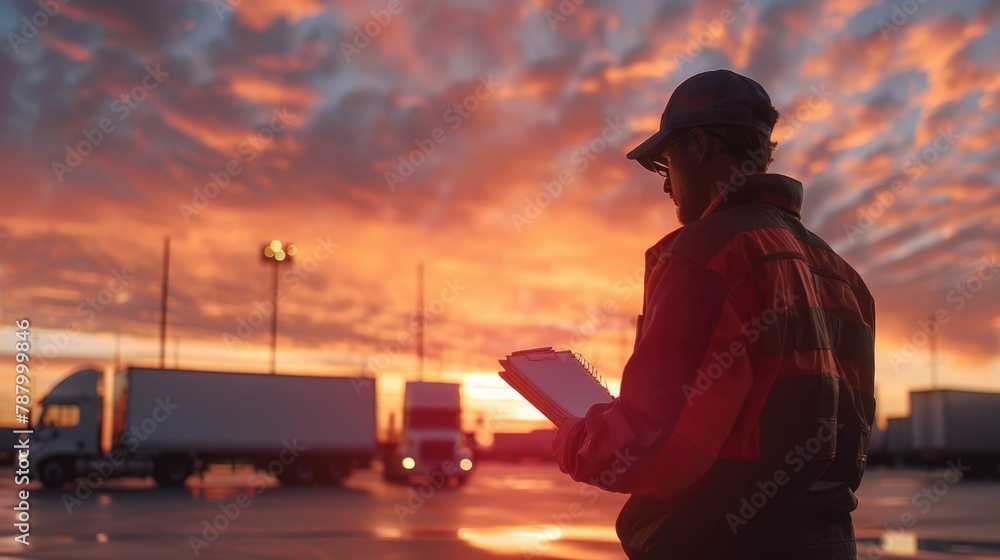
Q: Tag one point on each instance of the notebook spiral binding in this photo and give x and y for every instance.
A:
(592, 371)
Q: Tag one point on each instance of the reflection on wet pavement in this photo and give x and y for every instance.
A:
(506, 511)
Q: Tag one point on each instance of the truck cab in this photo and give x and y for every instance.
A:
(68, 431)
(431, 444)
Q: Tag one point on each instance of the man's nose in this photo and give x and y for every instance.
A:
(667, 187)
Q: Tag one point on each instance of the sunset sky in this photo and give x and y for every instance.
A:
(486, 139)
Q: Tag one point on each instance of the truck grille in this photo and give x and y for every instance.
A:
(437, 450)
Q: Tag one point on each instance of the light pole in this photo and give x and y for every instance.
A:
(276, 253)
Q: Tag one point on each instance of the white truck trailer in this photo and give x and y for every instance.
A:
(169, 423)
(948, 425)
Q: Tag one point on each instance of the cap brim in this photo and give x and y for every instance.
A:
(642, 152)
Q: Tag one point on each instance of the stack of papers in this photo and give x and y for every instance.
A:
(560, 384)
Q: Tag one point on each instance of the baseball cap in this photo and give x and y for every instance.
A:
(713, 98)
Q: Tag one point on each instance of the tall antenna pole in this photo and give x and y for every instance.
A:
(163, 301)
(934, 366)
(274, 321)
(177, 352)
(420, 321)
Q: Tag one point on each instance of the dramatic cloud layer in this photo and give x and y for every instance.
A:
(485, 139)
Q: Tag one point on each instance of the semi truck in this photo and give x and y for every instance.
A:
(8, 439)
(944, 425)
(431, 444)
(948, 425)
(169, 424)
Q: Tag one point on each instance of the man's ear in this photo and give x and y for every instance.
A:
(699, 142)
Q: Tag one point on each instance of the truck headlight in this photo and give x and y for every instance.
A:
(409, 463)
(465, 464)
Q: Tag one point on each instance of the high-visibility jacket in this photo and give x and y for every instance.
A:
(747, 404)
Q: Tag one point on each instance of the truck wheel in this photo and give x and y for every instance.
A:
(389, 476)
(394, 475)
(335, 473)
(980, 469)
(171, 473)
(53, 473)
(393, 472)
(302, 472)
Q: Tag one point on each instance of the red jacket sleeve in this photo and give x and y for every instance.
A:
(682, 390)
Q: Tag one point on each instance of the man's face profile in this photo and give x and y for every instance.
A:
(685, 182)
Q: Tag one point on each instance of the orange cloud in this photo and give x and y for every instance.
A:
(545, 280)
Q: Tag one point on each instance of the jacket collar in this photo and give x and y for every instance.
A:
(767, 188)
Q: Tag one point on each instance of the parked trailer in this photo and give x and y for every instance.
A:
(957, 426)
(898, 441)
(169, 423)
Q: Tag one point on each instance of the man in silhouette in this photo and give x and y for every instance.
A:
(746, 406)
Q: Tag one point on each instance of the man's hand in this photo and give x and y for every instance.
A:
(559, 444)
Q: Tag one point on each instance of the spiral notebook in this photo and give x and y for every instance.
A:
(560, 384)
